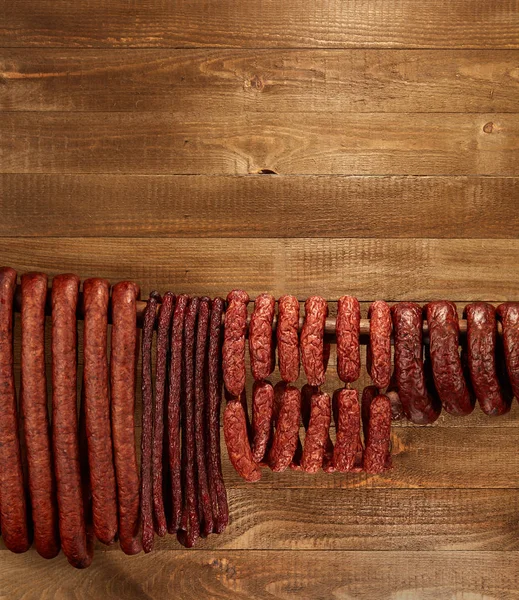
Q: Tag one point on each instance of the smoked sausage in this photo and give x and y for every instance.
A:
(286, 434)
(347, 454)
(237, 441)
(378, 353)
(288, 338)
(317, 433)
(508, 313)
(234, 342)
(262, 412)
(312, 339)
(377, 437)
(260, 337)
(348, 345)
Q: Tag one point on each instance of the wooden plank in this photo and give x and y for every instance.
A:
(233, 23)
(231, 81)
(242, 575)
(420, 270)
(148, 206)
(292, 143)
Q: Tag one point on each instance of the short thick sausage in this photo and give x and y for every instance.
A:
(347, 332)
(286, 434)
(378, 354)
(347, 454)
(261, 338)
(508, 313)
(234, 342)
(288, 338)
(312, 339)
(237, 441)
(377, 438)
(262, 411)
(317, 433)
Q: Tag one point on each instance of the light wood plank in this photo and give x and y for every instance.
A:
(242, 575)
(148, 206)
(231, 81)
(291, 143)
(233, 23)
(421, 270)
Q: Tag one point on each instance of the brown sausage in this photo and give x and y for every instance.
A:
(317, 433)
(13, 511)
(286, 435)
(33, 387)
(96, 295)
(347, 332)
(378, 353)
(288, 338)
(260, 337)
(262, 410)
(508, 313)
(122, 375)
(76, 544)
(234, 342)
(312, 339)
(347, 454)
(237, 441)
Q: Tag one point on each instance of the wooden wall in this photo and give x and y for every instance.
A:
(367, 147)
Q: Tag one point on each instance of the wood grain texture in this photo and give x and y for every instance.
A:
(419, 270)
(268, 575)
(294, 143)
(233, 81)
(146, 206)
(233, 23)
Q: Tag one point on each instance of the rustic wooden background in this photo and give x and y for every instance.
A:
(368, 147)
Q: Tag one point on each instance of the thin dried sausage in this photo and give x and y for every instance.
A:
(76, 544)
(317, 433)
(147, 422)
(13, 510)
(421, 405)
(347, 454)
(163, 331)
(237, 441)
(288, 338)
(347, 332)
(262, 410)
(312, 339)
(442, 319)
(481, 355)
(214, 395)
(122, 378)
(260, 337)
(378, 353)
(33, 387)
(508, 313)
(286, 434)
(234, 342)
(96, 295)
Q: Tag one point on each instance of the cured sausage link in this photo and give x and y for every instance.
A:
(214, 395)
(347, 332)
(455, 395)
(147, 423)
(347, 454)
(377, 435)
(260, 337)
(287, 333)
(317, 433)
(262, 412)
(286, 435)
(42, 485)
(378, 353)
(13, 510)
(237, 441)
(96, 295)
(312, 340)
(234, 342)
(508, 313)
(77, 546)
(122, 374)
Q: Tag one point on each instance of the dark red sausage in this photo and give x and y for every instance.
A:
(508, 313)
(96, 295)
(481, 356)
(33, 387)
(317, 433)
(190, 517)
(163, 332)
(286, 435)
(13, 510)
(378, 354)
(77, 546)
(122, 376)
(147, 423)
(347, 332)
(206, 513)
(237, 441)
(397, 410)
(377, 438)
(312, 339)
(369, 393)
(174, 400)
(262, 411)
(260, 337)
(347, 454)
(444, 331)
(234, 342)
(288, 338)
(421, 406)
(214, 396)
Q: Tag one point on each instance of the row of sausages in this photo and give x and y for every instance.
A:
(424, 379)
(83, 476)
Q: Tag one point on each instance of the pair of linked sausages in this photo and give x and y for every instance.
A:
(189, 394)
(273, 436)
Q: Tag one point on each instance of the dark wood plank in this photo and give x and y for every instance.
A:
(147, 206)
(420, 270)
(231, 81)
(293, 143)
(233, 23)
(242, 575)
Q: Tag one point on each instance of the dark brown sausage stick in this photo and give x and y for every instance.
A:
(96, 295)
(33, 387)
(122, 375)
(77, 546)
